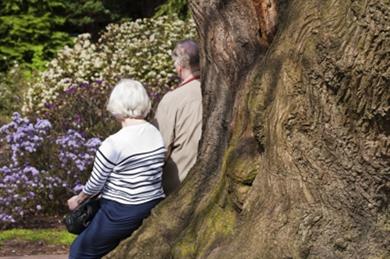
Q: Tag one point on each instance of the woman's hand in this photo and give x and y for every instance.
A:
(74, 202)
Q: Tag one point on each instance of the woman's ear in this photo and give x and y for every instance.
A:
(179, 70)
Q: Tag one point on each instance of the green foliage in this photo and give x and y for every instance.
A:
(52, 236)
(29, 33)
(89, 16)
(32, 31)
(12, 86)
(174, 7)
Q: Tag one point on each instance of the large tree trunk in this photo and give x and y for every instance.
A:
(294, 160)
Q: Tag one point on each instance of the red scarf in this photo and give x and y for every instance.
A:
(189, 80)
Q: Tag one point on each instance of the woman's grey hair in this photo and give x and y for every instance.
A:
(186, 54)
(129, 99)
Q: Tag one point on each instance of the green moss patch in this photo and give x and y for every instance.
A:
(216, 225)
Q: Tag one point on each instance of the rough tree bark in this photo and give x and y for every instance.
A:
(294, 160)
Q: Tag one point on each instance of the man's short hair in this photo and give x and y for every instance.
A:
(186, 54)
(129, 99)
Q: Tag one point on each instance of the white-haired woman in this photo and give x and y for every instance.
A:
(127, 173)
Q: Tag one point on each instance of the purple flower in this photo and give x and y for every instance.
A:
(78, 188)
(9, 179)
(84, 85)
(50, 106)
(5, 170)
(71, 90)
(77, 152)
(43, 125)
(93, 143)
(6, 218)
(26, 178)
(77, 118)
(31, 169)
(23, 136)
(16, 116)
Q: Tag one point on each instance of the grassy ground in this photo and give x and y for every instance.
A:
(17, 242)
(51, 236)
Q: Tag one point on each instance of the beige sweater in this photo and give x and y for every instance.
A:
(179, 118)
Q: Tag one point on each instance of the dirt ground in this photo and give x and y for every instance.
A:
(22, 247)
(18, 247)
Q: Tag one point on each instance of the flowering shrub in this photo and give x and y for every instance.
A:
(139, 50)
(44, 169)
(76, 154)
(46, 161)
(24, 137)
(83, 107)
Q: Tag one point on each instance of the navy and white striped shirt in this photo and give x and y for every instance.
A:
(128, 166)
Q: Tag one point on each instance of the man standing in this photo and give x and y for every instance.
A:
(179, 116)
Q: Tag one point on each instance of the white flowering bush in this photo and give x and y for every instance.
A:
(139, 50)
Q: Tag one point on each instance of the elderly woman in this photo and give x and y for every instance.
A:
(127, 173)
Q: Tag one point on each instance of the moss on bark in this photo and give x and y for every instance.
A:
(294, 158)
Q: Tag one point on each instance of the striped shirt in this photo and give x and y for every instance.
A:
(128, 166)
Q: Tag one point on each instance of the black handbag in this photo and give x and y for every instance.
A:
(78, 219)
